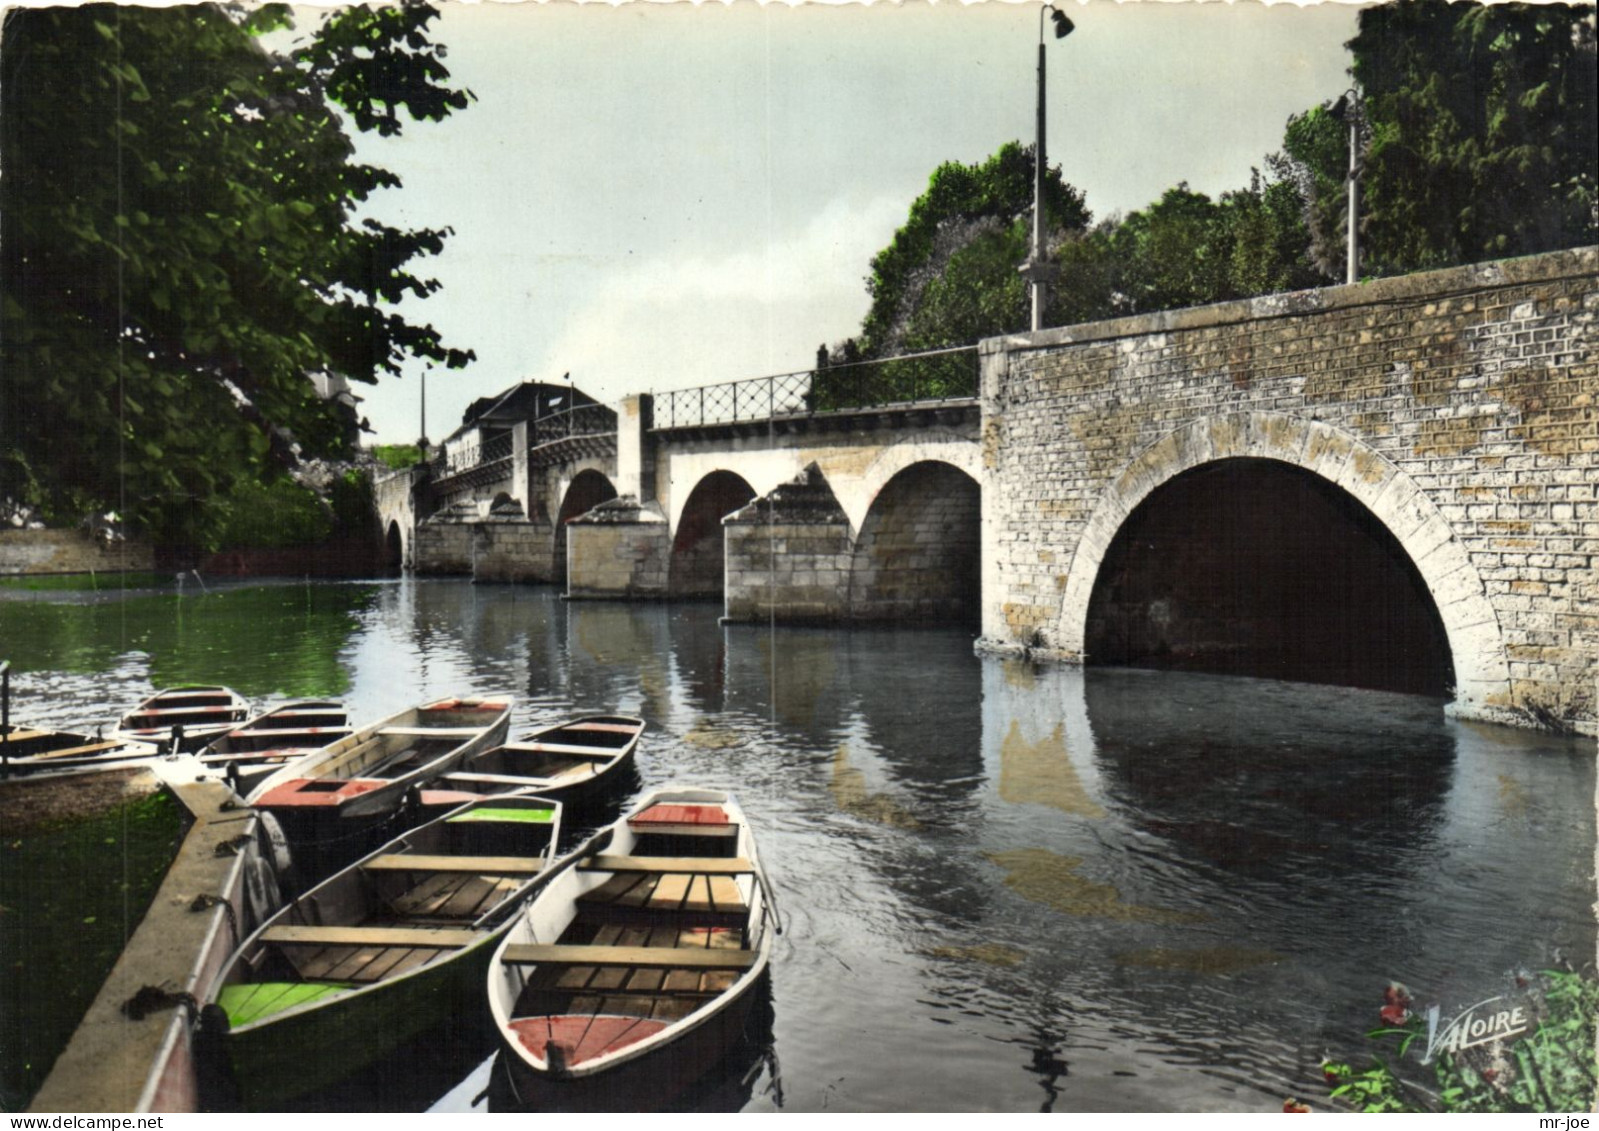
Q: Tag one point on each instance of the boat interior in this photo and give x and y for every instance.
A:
(665, 933)
(403, 908)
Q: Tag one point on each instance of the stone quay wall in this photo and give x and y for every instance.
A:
(1458, 406)
(69, 551)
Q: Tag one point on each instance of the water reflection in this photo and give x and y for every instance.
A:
(1006, 887)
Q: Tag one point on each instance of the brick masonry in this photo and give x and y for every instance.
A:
(1458, 406)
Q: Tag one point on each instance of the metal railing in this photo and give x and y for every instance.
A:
(584, 420)
(920, 378)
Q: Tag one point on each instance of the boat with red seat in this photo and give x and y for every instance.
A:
(386, 949)
(250, 753)
(631, 971)
(368, 773)
(183, 718)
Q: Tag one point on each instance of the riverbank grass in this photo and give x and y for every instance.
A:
(72, 891)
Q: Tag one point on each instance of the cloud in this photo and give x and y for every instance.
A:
(678, 323)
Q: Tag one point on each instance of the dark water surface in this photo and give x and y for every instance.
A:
(1005, 887)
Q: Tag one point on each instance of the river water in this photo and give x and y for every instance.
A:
(1005, 887)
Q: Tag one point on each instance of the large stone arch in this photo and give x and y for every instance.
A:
(695, 567)
(1482, 674)
(918, 551)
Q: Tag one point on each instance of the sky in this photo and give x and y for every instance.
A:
(656, 196)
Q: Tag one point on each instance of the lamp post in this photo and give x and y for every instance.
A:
(1347, 109)
(1038, 271)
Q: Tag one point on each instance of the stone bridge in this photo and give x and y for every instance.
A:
(1391, 484)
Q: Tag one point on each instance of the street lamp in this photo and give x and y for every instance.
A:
(1347, 109)
(1038, 271)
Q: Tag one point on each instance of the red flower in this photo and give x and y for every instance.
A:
(1394, 1014)
(1294, 1107)
(1396, 994)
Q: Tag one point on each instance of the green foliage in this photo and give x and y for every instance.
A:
(1552, 1069)
(273, 515)
(350, 496)
(180, 249)
(1479, 136)
(397, 457)
(993, 200)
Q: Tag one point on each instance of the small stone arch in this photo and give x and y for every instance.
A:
(695, 567)
(934, 447)
(393, 548)
(1393, 498)
(587, 490)
(917, 557)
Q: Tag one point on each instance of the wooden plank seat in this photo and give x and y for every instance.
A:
(276, 754)
(654, 957)
(487, 779)
(70, 751)
(604, 728)
(663, 829)
(693, 865)
(197, 709)
(594, 753)
(432, 732)
(27, 735)
(481, 865)
(286, 732)
(298, 935)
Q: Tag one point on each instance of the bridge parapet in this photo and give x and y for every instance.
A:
(912, 380)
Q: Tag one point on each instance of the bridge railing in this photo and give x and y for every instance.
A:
(920, 378)
(584, 420)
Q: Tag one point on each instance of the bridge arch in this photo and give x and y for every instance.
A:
(588, 489)
(393, 548)
(695, 567)
(1333, 457)
(917, 555)
(858, 497)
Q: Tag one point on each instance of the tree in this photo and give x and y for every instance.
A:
(1480, 135)
(968, 222)
(948, 278)
(179, 248)
(1186, 250)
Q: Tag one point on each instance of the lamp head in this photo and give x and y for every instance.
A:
(1340, 109)
(1063, 25)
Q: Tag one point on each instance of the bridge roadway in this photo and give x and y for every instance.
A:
(1391, 481)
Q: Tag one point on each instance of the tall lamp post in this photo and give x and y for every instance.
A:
(1038, 271)
(1347, 109)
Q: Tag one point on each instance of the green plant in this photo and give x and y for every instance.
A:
(1550, 1068)
(274, 515)
(397, 457)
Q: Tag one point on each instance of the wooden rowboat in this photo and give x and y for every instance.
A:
(184, 718)
(368, 772)
(249, 754)
(32, 750)
(381, 952)
(572, 762)
(28, 750)
(630, 972)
